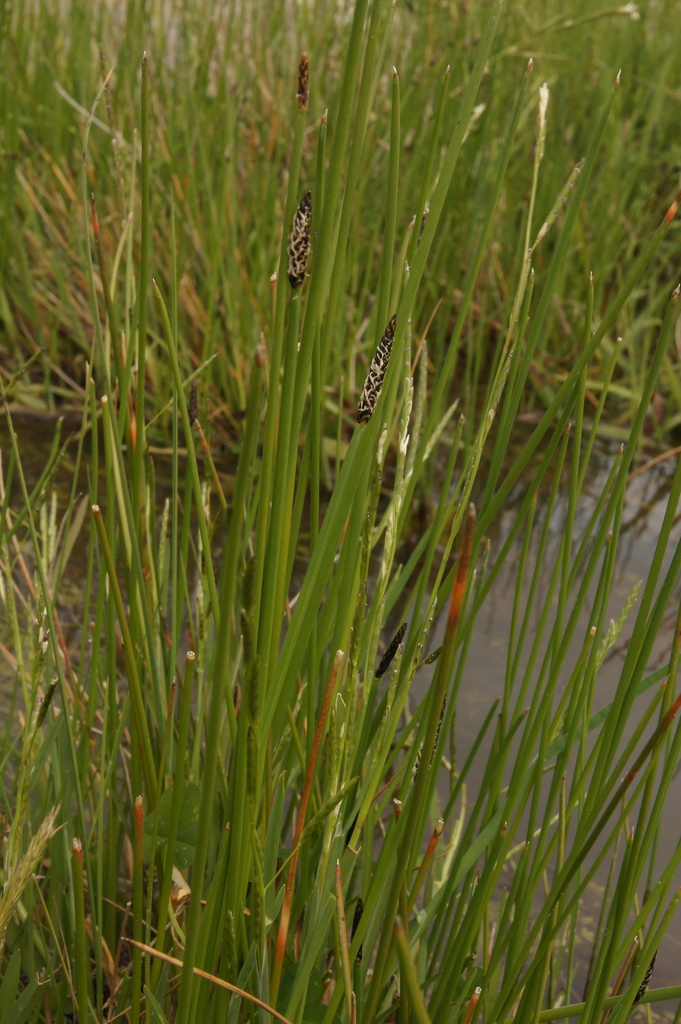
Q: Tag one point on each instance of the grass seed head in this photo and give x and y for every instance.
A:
(357, 917)
(391, 651)
(646, 979)
(299, 242)
(303, 94)
(376, 375)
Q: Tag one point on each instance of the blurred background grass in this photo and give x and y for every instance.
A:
(221, 79)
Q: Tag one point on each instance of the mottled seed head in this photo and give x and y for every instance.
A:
(646, 979)
(299, 242)
(377, 372)
(391, 651)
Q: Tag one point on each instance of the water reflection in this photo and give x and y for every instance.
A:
(483, 677)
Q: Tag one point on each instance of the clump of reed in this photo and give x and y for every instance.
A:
(266, 807)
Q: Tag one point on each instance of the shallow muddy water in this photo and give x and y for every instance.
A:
(485, 668)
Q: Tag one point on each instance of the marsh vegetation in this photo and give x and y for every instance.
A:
(348, 276)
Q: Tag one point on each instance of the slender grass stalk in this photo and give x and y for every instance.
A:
(138, 908)
(178, 790)
(343, 944)
(114, 327)
(304, 797)
(102, 362)
(386, 300)
(139, 327)
(133, 676)
(279, 539)
(80, 937)
(409, 981)
(425, 864)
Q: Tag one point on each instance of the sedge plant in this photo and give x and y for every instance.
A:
(237, 789)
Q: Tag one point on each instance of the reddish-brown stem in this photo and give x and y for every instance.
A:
(473, 1002)
(425, 863)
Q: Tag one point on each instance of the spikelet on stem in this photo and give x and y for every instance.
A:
(376, 375)
(303, 94)
(299, 242)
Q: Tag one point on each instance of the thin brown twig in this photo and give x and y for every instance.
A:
(207, 976)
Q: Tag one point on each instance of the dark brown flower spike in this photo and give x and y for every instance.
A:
(357, 917)
(391, 651)
(303, 94)
(193, 404)
(424, 218)
(376, 375)
(417, 763)
(646, 979)
(299, 242)
(45, 704)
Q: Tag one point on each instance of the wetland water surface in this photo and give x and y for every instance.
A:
(485, 669)
(486, 664)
